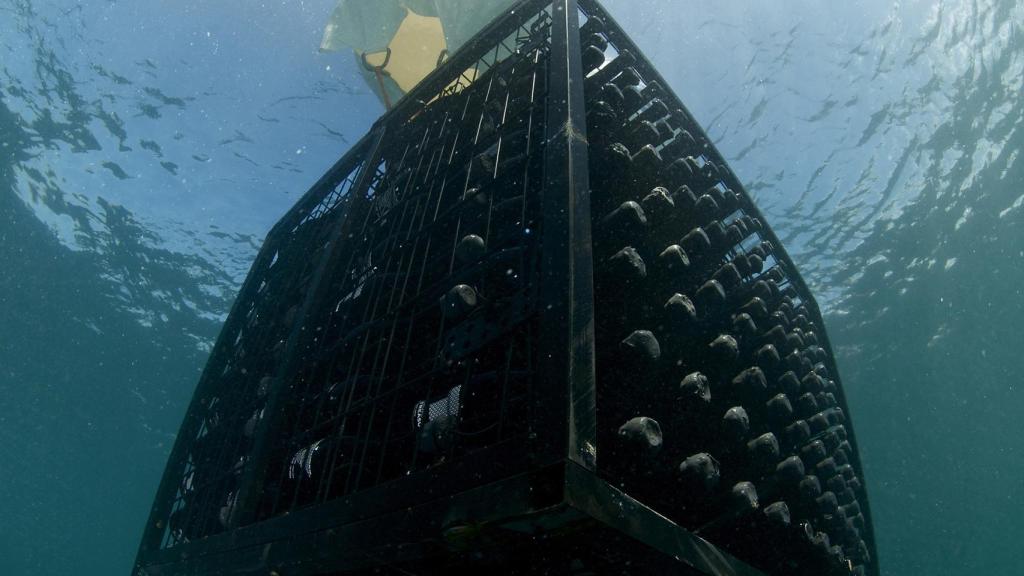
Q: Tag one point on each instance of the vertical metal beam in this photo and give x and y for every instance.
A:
(565, 409)
(254, 476)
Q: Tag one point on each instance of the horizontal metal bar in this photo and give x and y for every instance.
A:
(602, 501)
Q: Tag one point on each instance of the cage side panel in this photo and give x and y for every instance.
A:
(155, 529)
(338, 233)
(718, 396)
(198, 493)
(386, 340)
(422, 350)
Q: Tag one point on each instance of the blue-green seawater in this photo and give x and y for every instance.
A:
(146, 147)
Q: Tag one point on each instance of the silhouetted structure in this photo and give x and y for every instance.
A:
(530, 324)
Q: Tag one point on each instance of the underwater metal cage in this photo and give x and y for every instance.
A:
(530, 323)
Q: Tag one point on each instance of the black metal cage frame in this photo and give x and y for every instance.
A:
(337, 333)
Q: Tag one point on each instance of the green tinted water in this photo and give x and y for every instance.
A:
(146, 147)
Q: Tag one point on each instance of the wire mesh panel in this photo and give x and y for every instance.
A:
(215, 443)
(718, 395)
(389, 324)
(422, 349)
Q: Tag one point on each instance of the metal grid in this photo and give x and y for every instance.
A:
(230, 403)
(388, 324)
(422, 349)
(641, 129)
(681, 155)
